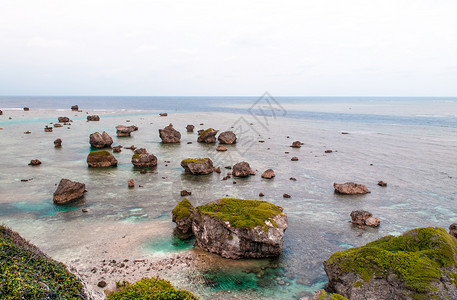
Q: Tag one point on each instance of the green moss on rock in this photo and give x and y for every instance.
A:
(323, 295)
(183, 209)
(150, 289)
(419, 258)
(100, 153)
(242, 213)
(27, 273)
(136, 156)
(194, 160)
(207, 130)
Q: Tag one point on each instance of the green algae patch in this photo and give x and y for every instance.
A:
(242, 213)
(150, 289)
(100, 153)
(27, 273)
(207, 130)
(136, 156)
(194, 160)
(323, 295)
(183, 209)
(419, 258)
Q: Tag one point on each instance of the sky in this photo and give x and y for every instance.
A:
(228, 48)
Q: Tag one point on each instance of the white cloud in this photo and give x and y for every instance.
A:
(42, 42)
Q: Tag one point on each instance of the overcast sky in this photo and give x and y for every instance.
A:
(290, 48)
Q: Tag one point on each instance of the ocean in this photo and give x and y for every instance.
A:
(407, 142)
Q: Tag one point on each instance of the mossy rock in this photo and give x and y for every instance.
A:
(194, 160)
(241, 212)
(100, 153)
(422, 262)
(207, 130)
(323, 295)
(149, 289)
(28, 273)
(182, 210)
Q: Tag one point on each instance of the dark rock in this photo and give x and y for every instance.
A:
(117, 149)
(48, 129)
(163, 114)
(84, 210)
(328, 151)
(237, 228)
(26, 109)
(261, 194)
(68, 191)
(185, 193)
(344, 132)
(294, 158)
(182, 215)
(382, 183)
(93, 118)
(198, 166)
(286, 196)
(143, 171)
(58, 125)
(170, 135)
(144, 160)
(101, 284)
(350, 188)
(242, 169)
(207, 136)
(131, 147)
(419, 264)
(296, 144)
(217, 170)
(1, 112)
(101, 159)
(221, 148)
(227, 137)
(293, 179)
(200, 131)
(140, 151)
(63, 119)
(188, 143)
(131, 183)
(190, 128)
(360, 216)
(75, 108)
(98, 140)
(122, 130)
(34, 162)
(453, 230)
(27, 132)
(268, 174)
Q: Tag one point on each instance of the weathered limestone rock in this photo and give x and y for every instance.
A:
(198, 166)
(144, 160)
(419, 264)
(237, 228)
(207, 136)
(170, 135)
(101, 159)
(68, 191)
(58, 143)
(242, 169)
(373, 222)
(227, 137)
(350, 188)
(182, 216)
(93, 118)
(122, 130)
(360, 216)
(26, 109)
(64, 119)
(190, 128)
(268, 174)
(98, 140)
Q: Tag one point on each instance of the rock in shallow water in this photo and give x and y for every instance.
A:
(242, 169)
(101, 159)
(198, 166)
(207, 136)
(100, 140)
(227, 137)
(144, 160)
(68, 191)
(350, 188)
(170, 135)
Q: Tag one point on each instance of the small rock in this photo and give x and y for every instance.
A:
(185, 193)
(242, 169)
(84, 210)
(190, 128)
(27, 132)
(227, 137)
(189, 143)
(350, 188)
(328, 151)
(143, 171)
(131, 183)
(286, 196)
(58, 143)
(296, 144)
(360, 216)
(93, 118)
(261, 194)
(117, 149)
(221, 148)
(169, 134)
(58, 125)
(453, 230)
(75, 108)
(63, 119)
(294, 158)
(207, 136)
(293, 179)
(48, 129)
(163, 114)
(34, 162)
(122, 130)
(100, 140)
(268, 174)
(382, 183)
(101, 284)
(217, 170)
(344, 132)
(373, 222)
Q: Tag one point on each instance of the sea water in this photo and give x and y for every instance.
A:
(408, 143)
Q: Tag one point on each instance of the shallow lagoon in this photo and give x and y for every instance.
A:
(417, 162)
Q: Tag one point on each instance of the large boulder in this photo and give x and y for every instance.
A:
(63, 119)
(100, 140)
(242, 169)
(101, 159)
(182, 216)
(238, 228)
(350, 188)
(93, 118)
(144, 160)
(68, 191)
(227, 137)
(419, 264)
(122, 130)
(207, 136)
(170, 135)
(198, 166)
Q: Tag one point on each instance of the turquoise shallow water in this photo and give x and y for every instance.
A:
(417, 162)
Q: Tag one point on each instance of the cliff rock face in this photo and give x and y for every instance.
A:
(198, 166)
(419, 264)
(68, 191)
(237, 228)
(207, 136)
(98, 140)
(101, 159)
(170, 135)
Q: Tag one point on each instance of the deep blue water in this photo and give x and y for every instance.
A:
(257, 106)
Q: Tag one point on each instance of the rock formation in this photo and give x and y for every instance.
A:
(101, 159)
(170, 135)
(58, 143)
(350, 188)
(93, 118)
(122, 130)
(360, 216)
(63, 119)
(190, 128)
(182, 216)
(98, 140)
(144, 160)
(419, 264)
(227, 137)
(207, 136)
(198, 166)
(117, 149)
(242, 169)
(68, 191)
(268, 174)
(1, 112)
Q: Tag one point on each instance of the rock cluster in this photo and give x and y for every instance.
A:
(68, 191)
(242, 169)
(227, 137)
(100, 140)
(234, 228)
(364, 218)
(170, 135)
(207, 136)
(198, 166)
(101, 159)
(93, 118)
(350, 188)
